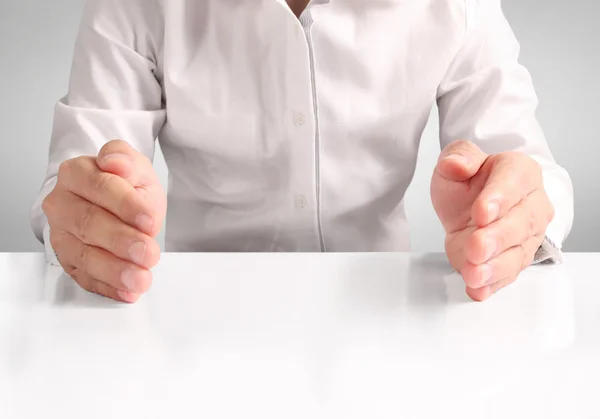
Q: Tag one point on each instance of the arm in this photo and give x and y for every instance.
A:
(114, 92)
(487, 97)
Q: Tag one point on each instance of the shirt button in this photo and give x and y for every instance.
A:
(299, 119)
(301, 201)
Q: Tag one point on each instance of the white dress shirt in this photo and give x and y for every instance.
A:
(286, 134)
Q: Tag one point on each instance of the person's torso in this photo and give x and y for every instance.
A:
(298, 134)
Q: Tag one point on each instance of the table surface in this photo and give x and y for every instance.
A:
(301, 336)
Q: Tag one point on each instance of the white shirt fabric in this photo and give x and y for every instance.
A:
(286, 134)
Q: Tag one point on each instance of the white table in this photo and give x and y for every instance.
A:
(301, 336)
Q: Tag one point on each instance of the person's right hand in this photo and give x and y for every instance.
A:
(104, 214)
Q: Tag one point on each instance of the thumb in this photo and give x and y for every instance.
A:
(460, 161)
(119, 158)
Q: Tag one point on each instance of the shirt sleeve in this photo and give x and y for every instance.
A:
(488, 97)
(114, 92)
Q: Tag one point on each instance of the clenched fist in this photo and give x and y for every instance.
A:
(495, 212)
(104, 214)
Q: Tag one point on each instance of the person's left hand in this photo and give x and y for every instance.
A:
(495, 212)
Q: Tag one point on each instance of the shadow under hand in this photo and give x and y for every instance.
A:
(423, 297)
(62, 291)
(432, 282)
(383, 282)
(398, 296)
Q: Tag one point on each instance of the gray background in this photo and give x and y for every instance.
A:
(560, 46)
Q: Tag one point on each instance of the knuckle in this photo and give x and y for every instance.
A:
(130, 205)
(84, 222)
(48, 204)
(83, 257)
(475, 241)
(120, 239)
(515, 157)
(55, 241)
(532, 224)
(502, 238)
(510, 170)
(510, 163)
(100, 181)
(64, 169)
(116, 242)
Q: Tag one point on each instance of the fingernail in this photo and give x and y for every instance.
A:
(493, 211)
(458, 158)
(128, 279)
(144, 222)
(490, 249)
(127, 296)
(115, 156)
(137, 252)
(486, 273)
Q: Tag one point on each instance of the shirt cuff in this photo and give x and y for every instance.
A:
(50, 253)
(549, 252)
(558, 188)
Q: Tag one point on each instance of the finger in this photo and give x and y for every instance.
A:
(119, 158)
(513, 176)
(505, 270)
(460, 161)
(92, 285)
(57, 241)
(82, 177)
(455, 245)
(103, 266)
(482, 294)
(527, 219)
(85, 281)
(95, 226)
(505, 265)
